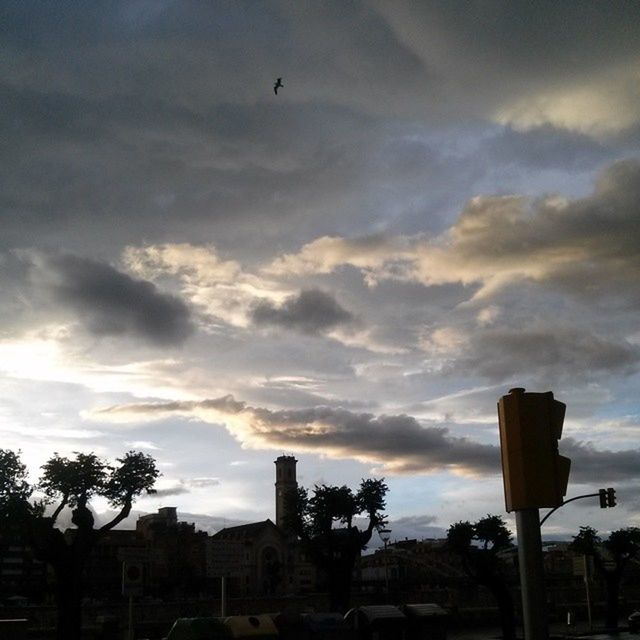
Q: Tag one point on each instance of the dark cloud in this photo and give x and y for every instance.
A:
(111, 303)
(185, 486)
(487, 47)
(311, 311)
(548, 351)
(398, 443)
(166, 124)
(176, 490)
(590, 465)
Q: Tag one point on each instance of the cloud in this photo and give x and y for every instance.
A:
(546, 350)
(585, 246)
(590, 465)
(579, 79)
(109, 302)
(416, 527)
(185, 485)
(311, 311)
(416, 521)
(175, 490)
(400, 444)
(221, 289)
(201, 483)
(395, 444)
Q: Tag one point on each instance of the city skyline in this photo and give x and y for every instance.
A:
(438, 204)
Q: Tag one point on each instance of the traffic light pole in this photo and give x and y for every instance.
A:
(586, 495)
(534, 601)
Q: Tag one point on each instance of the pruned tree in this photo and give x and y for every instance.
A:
(481, 546)
(325, 525)
(610, 560)
(70, 483)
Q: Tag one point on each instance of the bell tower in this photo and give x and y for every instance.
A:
(285, 482)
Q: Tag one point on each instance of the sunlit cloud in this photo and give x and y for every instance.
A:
(221, 289)
(607, 103)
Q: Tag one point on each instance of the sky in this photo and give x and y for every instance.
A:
(440, 204)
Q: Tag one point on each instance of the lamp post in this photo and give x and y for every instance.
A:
(385, 534)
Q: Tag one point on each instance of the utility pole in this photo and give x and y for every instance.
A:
(385, 535)
(585, 564)
(534, 601)
(534, 476)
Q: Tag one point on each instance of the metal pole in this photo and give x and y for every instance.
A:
(534, 602)
(130, 634)
(223, 596)
(386, 569)
(586, 587)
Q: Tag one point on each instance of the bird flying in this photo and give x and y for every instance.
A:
(277, 85)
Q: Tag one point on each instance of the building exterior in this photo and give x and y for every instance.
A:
(263, 558)
(103, 572)
(286, 483)
(22, 576)
(177, 553)
(260, 558)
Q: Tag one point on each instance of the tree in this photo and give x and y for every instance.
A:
(333, 548)
(610, 559)
(70, 483)
(481, 547)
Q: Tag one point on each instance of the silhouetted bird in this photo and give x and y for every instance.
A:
(277, 85)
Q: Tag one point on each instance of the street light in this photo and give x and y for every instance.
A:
(385, 534)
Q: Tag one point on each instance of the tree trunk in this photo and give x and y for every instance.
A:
(613, 590)
(340, 576)
(69, 601)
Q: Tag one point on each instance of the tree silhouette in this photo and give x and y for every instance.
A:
(480, 546)
(610, 559)
(333, 548)
(70, 483)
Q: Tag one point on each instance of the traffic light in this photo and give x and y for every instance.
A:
(607, 497)
(534, 473)
(604, 500)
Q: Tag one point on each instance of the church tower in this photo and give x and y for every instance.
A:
(285, 482)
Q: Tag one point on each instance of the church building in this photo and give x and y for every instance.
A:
(263, 558)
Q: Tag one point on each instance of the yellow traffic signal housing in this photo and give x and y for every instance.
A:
(534, 473)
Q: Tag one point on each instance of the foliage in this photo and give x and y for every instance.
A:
(70, 483)
(13, 476)
(329, 506)
(622, 546)
(489, 534)
(324, 522)
(586, 542)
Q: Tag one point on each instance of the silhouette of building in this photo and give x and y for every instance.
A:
(177, 553)
(286, 483)
(103, 569)
(263, 558)
(21, 574)
(259, 558)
